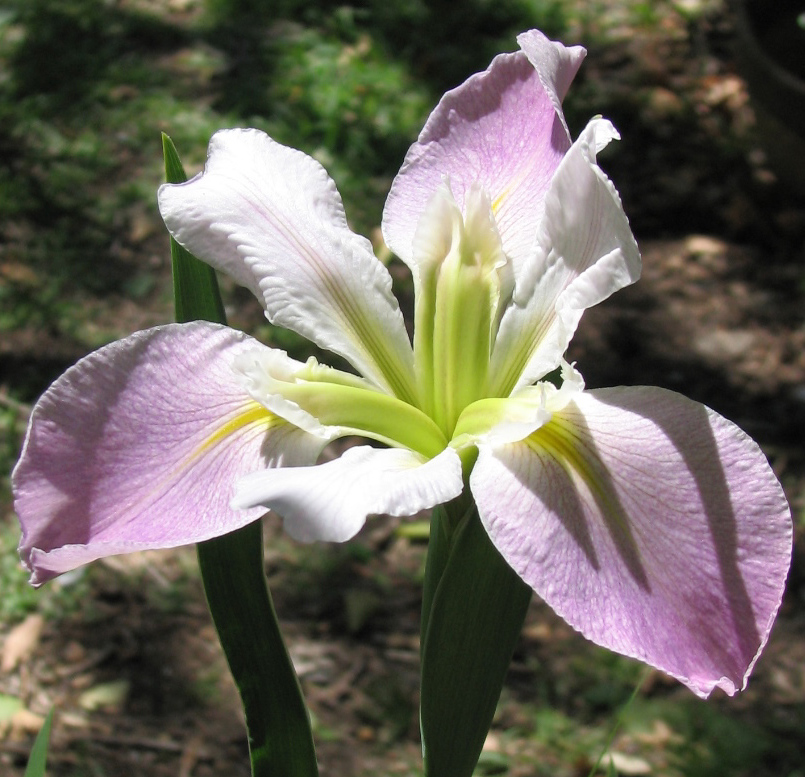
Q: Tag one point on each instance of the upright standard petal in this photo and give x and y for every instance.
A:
(332, 501)
(651, 524)
(138, 446)
(272, 218)
(585, 251)
(503, 129)
(555, 63)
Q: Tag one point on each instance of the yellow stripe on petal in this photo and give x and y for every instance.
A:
(254, 414)
(498, 201)
(556, 438)
(566, 444)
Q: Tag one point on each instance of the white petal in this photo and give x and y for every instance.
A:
(585, 252)
(332, 501)
(263, 371)
(271, 217)
(496, 421)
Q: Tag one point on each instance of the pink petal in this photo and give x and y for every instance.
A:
(272, 218)
(139, 445)
(651, 524)
(502, 128)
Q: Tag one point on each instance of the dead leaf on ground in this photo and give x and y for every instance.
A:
(105, 696)
(21, 641)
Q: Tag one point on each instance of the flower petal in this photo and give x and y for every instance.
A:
(585, 251)
(651, 524)
(330, 403)
(139, 445)
(272, 218)
(502, 128)
(332, 501)
(495, 421)
(555, 63)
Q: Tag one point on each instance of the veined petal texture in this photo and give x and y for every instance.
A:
(503, 129)
(585, 252)
(139, 445)
(331, 501)
(651, 524)
(272, 218)
(555, 63)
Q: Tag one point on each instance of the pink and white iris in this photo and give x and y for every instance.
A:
(651, 524)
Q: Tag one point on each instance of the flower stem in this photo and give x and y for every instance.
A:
(280, 738)
(473, 608)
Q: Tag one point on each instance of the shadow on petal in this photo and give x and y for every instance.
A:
(697, 445)
(573, 449)
(63, 437)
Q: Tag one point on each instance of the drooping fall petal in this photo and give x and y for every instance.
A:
(651, 524)
(585, 251)
(139, 445)
(331, 501)
(502, 129)
(272, 218)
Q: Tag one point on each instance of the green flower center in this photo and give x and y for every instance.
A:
(463, 282)
(463, 273)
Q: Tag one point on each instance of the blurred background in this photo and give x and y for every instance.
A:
(710, 174)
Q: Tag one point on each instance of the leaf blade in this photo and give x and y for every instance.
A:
(475, 620)
(37, 761)
(278, 725)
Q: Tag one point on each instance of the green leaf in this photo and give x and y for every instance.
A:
(474, 621)
(435, 560)
(39, 752)
(195, 286)
(280, 739)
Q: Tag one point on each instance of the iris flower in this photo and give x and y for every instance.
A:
(648, 522)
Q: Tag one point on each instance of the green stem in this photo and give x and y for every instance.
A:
(280, 740)
(444, 521)
(475, 611)
(278, 725)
